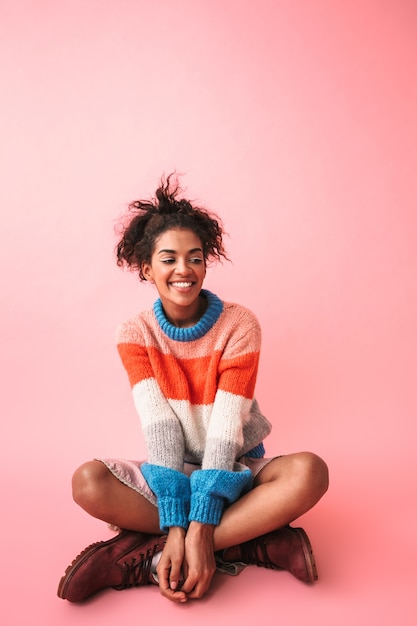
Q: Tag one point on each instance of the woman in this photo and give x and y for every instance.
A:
(206, 497)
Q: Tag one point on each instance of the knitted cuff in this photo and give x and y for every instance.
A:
(206, 509)
(172, 490)
(172, 512)
(211, 489)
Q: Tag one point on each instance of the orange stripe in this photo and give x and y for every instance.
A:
(186, 379)
(195, 380)
(136, 362)
(238, 375)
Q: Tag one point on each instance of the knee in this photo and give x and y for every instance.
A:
(88, 483)
(314, 472)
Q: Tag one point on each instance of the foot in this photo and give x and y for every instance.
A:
(121, 562)
(286, 548)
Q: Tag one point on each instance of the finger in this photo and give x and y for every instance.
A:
(199, 590)
(174, 596)
(201, 586)
(190, 582)
(175, 576)
(163, 572)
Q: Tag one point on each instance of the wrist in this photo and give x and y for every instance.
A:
(200, 529)
(176, 531)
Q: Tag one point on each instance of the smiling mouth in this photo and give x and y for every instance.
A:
(182, 285)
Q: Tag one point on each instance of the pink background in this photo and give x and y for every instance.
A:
(296, 121)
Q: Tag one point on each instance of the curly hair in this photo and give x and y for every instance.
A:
(146, 220)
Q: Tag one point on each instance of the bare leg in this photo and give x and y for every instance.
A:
(103, 496)
(285, 489)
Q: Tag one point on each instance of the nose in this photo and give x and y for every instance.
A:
(182, 267)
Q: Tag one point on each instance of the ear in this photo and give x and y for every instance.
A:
(147, 272)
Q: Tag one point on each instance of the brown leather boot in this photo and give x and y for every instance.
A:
(286, 548)
(121, 562)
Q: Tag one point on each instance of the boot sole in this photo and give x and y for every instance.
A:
(308, 554)
(79, 560)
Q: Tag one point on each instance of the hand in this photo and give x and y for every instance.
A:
(169, 568)
(199, 561)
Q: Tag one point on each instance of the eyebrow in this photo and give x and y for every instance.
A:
(165, 250)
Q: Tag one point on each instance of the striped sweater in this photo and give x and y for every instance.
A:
(193, 389)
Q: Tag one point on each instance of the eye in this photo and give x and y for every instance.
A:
(197, 260)
(168, 261)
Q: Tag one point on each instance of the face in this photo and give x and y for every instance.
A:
(177, 269)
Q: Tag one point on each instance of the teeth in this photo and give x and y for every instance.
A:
(182, 284)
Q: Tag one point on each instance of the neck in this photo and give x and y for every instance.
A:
(190, 317)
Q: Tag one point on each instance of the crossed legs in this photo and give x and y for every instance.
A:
(283, 490)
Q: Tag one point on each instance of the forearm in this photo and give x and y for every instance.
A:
(200, 532)
(200, 563)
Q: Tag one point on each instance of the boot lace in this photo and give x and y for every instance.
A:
(137, 571)
(254, 552)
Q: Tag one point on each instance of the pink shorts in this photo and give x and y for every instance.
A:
(129, 472)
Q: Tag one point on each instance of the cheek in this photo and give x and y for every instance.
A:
(162, 274)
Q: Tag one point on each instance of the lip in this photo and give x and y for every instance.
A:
(182, 284)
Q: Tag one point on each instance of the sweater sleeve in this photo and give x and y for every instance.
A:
(218, 483)
(172, 490)
(162, 432)
(213, 489)
(237, 371)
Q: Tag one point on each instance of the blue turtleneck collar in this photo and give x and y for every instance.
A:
(204, 324)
